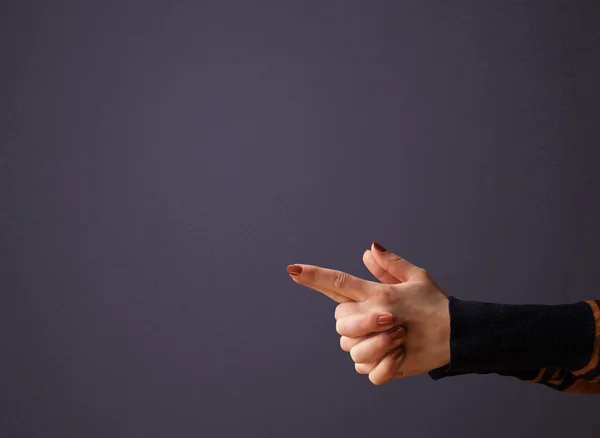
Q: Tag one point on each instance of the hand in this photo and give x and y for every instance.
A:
(416, 303)
(348, 343)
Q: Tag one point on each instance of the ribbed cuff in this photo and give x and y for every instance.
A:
(487, 336)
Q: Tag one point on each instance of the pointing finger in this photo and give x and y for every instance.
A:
(327, 280)
(296, 270)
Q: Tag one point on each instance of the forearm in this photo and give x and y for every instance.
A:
(557, 346)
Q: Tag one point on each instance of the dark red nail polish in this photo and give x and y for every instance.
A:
(378, 247)
(294, 270)
(397, 334)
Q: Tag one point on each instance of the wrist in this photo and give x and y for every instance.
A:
(443, 334)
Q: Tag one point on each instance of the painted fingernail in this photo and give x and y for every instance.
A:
(385, 319)
(397, 334)
(294, 270)
(378, 246)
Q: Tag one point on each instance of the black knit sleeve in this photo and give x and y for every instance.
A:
(558, 346)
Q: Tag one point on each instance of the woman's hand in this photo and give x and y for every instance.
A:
(368, 312)
(348, 343)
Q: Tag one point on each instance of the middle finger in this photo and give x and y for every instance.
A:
(373, 349)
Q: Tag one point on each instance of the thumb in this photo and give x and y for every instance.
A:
(376, 269)
(399, 267)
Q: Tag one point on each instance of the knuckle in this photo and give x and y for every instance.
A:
(382, 376)
(360, 368)
(423, 275)
(368, 324)
(339, 327)
(339, 279)
(337, 312)
(386, 294)
(395, 257)
(375, 380)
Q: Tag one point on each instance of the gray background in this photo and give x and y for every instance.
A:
(162, 162)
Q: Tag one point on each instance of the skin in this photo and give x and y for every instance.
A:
(397, 328)
(414, 301)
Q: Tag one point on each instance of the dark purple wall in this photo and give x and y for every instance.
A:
(163, 161)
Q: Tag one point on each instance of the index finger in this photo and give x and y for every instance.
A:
(331, 281)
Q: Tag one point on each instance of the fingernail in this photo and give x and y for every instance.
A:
(378, 247)
(397, 334)
(294, 270)
(385, 319)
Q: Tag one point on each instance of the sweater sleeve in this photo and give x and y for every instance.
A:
(555, 345)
